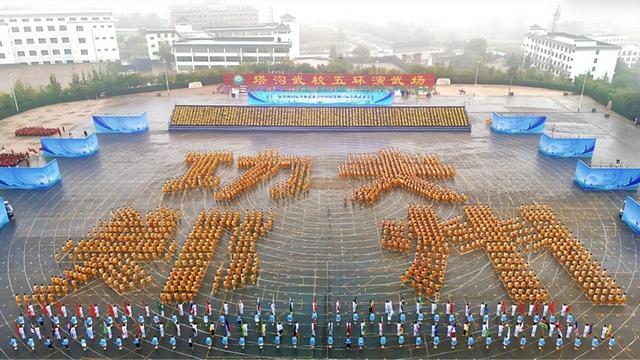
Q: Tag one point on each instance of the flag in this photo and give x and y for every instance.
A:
(44, 308)
(521, 307)
(105, 331)
(568, 308)
(92, 311)
(552, 307)
(227, 326)
(536, 307)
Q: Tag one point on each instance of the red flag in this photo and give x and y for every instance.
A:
(568, 308)
(536, 308)
(503, 306)
(92, 311)
(552, 307)
(44, 308)
(111, 312)
(59, 308)
(452, 311)
(521, 307)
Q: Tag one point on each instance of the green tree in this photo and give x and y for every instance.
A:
(165, 52)
(477, 46)
(53, 88)
(361, 53)
(333, 53)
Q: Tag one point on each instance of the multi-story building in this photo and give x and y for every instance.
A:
(568, 55)
(630, 54)
(416, 52)
(202, 17)
(228, 45)
(57, 37)
(615, 39)
(160, 37)
(207, 53)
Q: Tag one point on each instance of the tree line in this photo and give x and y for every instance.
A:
(623, 90)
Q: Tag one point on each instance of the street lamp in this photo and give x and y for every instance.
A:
(582, 91)
(510, 81)
(475, 83)
(13, 92)
(166, 76)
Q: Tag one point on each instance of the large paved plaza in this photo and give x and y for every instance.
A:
(318, 247)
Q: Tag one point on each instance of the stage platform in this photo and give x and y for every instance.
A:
(307, 118)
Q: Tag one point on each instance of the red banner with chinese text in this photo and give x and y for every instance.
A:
(329, 80)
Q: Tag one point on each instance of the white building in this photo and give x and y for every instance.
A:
(630, 54)
(207, 53)
(205, 16)
(416, 52)
(57, 37)
(568, 55)
(615, 39)
(159, 37)
(227, 45)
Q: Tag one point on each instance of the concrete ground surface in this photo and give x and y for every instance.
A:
(319, 248)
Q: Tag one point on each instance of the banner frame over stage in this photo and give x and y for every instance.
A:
(254, 80)
(321, 98)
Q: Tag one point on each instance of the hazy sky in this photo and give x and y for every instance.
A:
(610, 15)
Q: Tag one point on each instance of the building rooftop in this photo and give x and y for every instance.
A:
(579, 41)
(414, 46)
(7, 13)
(267, 26)
(160, 31)
(212, 41)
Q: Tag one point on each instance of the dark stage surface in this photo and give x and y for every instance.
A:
(320, 247)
